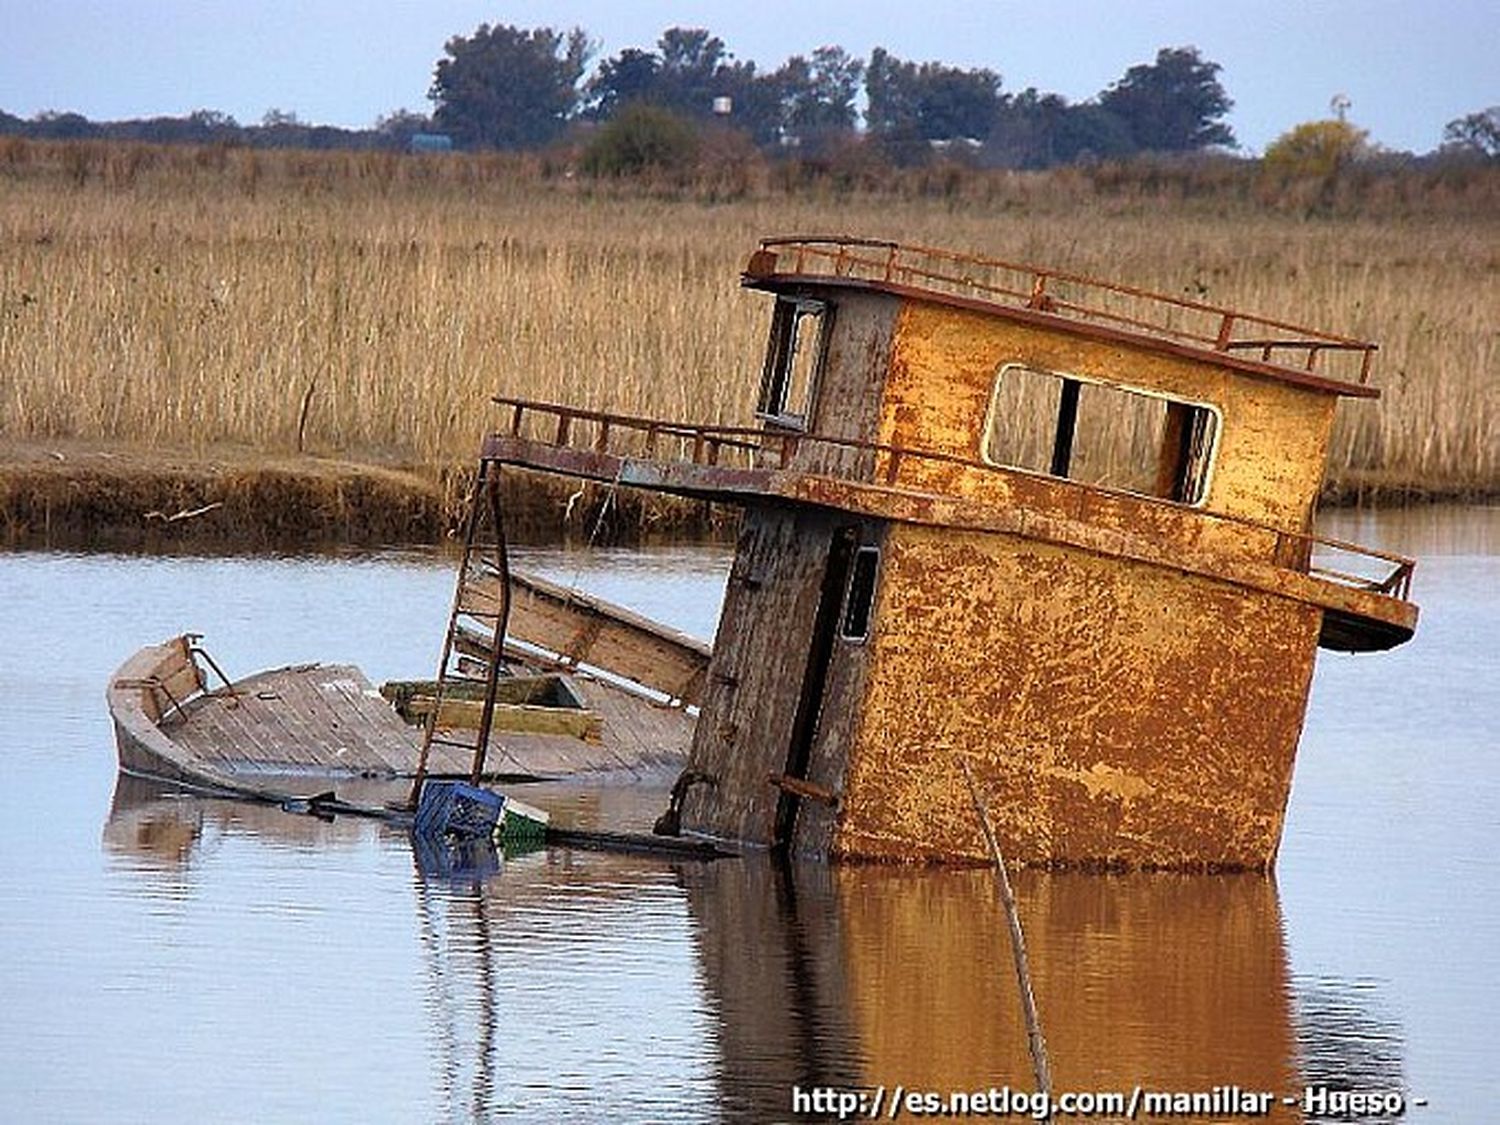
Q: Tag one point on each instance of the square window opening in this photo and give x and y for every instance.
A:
(799, 328)
(1101, 434)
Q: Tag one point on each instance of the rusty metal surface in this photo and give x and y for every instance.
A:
(1115, 713)
(1071, 525)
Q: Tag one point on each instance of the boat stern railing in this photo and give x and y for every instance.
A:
(1360, 568)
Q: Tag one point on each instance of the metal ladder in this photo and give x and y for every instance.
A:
(475, 641)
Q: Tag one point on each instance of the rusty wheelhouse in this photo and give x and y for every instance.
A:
(1056, 528)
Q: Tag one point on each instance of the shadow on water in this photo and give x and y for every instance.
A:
(845, 976)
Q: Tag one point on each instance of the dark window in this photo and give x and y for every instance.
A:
(861, 596)
(1101, 434)
(798, 328)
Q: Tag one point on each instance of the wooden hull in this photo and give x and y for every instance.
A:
(304, 726)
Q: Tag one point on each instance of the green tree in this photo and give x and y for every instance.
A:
(1035, 130)
(506, 87)
(694, 69)
(690, 73)
(1173, 104)
(817, 95)
(911, 105)
(1477, 133)
(629, 77)
(640, 138)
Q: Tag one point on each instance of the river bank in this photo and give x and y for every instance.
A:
(76, 495)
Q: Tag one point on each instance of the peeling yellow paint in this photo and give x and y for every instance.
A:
(1100, 780)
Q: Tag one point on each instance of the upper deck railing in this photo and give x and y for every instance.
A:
(1124, 307)
(731, 447)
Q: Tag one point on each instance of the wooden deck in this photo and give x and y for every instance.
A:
(330, 721)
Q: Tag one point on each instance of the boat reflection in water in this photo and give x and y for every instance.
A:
(745, 979)
(878, 975)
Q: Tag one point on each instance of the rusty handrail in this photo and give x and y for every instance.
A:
(708, 438)
(942, 270)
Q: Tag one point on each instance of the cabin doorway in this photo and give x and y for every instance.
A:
(841, 550)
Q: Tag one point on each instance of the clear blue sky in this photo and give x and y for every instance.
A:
(1408, 67)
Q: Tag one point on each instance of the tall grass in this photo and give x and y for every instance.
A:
(370, 304)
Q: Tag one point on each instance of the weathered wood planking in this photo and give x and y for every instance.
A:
(589, 630)
(517, 718)
(307, 718)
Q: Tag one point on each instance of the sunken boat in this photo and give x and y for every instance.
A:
(1051, 528)
(548, 712)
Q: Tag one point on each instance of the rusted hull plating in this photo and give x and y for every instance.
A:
(1118, 714)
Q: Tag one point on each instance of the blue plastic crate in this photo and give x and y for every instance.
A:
(455, 809)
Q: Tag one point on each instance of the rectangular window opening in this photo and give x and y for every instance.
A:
(860, 599)
(1101, 434)
(793, 356)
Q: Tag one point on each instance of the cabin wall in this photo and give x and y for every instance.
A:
(755, 676)
(1273, 439)
(846, 400)
(1079, 686)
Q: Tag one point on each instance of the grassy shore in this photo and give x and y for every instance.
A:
(365, 306)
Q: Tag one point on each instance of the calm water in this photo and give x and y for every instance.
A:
(169, 959)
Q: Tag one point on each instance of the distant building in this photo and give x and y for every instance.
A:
(430, 142)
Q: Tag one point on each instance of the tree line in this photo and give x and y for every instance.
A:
(506, 87)
(523, 89)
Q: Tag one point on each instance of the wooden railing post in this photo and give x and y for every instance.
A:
(1038, 298)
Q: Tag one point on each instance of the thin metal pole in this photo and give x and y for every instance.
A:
(1035, 1042)
(502, 620)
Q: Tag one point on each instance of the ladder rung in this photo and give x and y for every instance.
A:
(436, 741)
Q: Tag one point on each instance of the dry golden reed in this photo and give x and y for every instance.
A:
(369, 304)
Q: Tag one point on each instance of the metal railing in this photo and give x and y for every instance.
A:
(727, 447)
(1180, 320)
